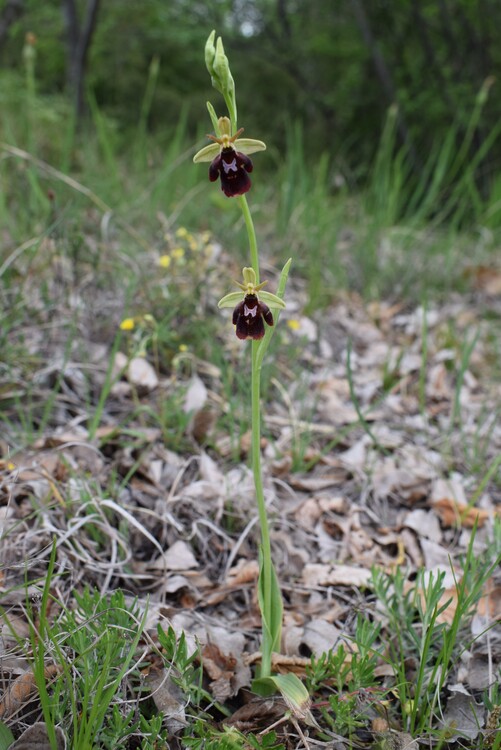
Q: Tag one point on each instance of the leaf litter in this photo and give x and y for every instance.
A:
(381, 445)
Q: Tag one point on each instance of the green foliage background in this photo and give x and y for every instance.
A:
(293, 60)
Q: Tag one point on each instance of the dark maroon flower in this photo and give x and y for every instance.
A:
(251, 312)
(232, 166)
(228, 158)
(248, 317)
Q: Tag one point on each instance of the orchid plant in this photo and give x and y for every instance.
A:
(255, 313)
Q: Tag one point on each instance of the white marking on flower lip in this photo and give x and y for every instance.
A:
(231, 167)
(250, 311)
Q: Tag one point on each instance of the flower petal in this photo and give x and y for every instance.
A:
(230, 300)
(215, 168)
(207, 153)
(245, 161)
(249, 145)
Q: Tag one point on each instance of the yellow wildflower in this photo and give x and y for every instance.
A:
(293, 324)
(178, 253)
(164, 261)
(127, 324)
(183, 348)
(181, 232)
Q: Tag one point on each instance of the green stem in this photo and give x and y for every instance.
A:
(266, 562)
(251, 234)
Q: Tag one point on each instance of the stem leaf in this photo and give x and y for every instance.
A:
(272, 614)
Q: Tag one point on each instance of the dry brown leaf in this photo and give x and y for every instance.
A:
(282, 663)
(486, 279)
(245, 571)
(216, 663)
(394, 740)
(316, 484)
(320, 636)
(463, 716)
(489, 605)
(382, 312)
(478, 675)
(335, 401)
(180, 556)
(21, 690)
(315, 574)
(451, 489)
(221, 669)
(196, 395)
(308, 512)
(168, 698)
(454, 514)
(355, 458)
(450, 595)
(202, 424)
(438, 383)
(141, 374)
(424, 523)
(448, 499)
(259, 713)
(36, 737)
(412, 547)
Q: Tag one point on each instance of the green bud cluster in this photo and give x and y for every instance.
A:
(219, 70)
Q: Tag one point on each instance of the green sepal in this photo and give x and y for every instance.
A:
(233, 298)
(249, 145)
(230, 300)
(271, 300)
(244, 145)
(207, 153)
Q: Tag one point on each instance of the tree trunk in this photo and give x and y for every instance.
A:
(383, 72)
(11, 11)
(78, 40)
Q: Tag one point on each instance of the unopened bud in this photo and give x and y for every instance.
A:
(219, 68)
(222, 70)
(210, 53)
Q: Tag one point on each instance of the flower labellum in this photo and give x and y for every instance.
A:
(248, 317)
(232, 166)
(251, 312)
(229, 160)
